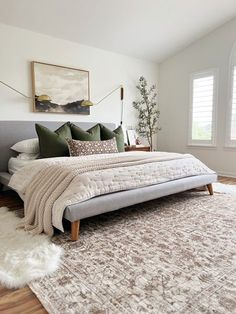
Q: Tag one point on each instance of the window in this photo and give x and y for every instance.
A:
(202, 125)
(233, 110)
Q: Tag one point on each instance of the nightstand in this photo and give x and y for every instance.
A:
(141, 148)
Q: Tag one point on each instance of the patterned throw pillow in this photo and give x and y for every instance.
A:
(81, 148)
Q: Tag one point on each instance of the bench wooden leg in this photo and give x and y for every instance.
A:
(75, 230)
(210, 189)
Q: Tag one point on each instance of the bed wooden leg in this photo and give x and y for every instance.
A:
(210, 189)
(75, 230)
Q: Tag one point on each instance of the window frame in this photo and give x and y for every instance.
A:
(230, 143)
(196, 75)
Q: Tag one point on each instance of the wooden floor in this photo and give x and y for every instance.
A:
(23, 300)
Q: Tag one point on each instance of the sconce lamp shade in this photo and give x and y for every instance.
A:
(43, 98)
(87, 103)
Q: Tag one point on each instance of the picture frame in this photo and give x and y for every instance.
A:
(59, 89)
(132, 136)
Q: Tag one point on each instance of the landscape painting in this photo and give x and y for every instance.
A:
(59, 89)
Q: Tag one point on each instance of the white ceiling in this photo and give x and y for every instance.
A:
(147, 29)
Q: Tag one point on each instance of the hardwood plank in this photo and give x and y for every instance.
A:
(227, 180)
(20, 301)
(23, 300)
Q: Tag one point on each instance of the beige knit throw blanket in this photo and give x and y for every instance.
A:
(49, 185)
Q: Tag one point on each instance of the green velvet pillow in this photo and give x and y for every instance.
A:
(93, 134)
(107, 134)
(53, 143)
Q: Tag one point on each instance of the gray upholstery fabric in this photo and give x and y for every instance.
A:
(15, 131)
(114, 201)
(5, 178)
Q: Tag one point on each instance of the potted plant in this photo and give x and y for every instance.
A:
(148, 112)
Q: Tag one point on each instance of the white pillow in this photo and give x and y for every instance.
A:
(25, 156)
(30, 146)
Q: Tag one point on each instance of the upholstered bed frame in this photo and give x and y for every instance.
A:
(14, 131)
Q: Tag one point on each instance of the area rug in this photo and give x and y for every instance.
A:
(172, 255)
(24, 257)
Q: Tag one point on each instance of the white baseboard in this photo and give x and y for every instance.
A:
(226, 174)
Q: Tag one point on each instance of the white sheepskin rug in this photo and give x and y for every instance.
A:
(224, 188)
(24, 257)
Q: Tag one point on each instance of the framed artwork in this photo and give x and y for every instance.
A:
(131, 134)
(59, 89)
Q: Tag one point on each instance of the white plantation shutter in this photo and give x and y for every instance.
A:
(233, 112)
(202, 113)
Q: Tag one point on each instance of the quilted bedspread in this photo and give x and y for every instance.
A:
(48, 186)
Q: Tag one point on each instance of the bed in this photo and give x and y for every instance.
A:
(13, 131)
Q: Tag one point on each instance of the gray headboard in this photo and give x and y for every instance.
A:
(12, 132)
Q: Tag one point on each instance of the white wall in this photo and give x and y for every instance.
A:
(212, 51)
(107, 71)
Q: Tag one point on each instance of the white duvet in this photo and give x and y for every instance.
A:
(48, 186)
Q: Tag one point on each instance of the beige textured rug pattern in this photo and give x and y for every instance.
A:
(172, 255)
